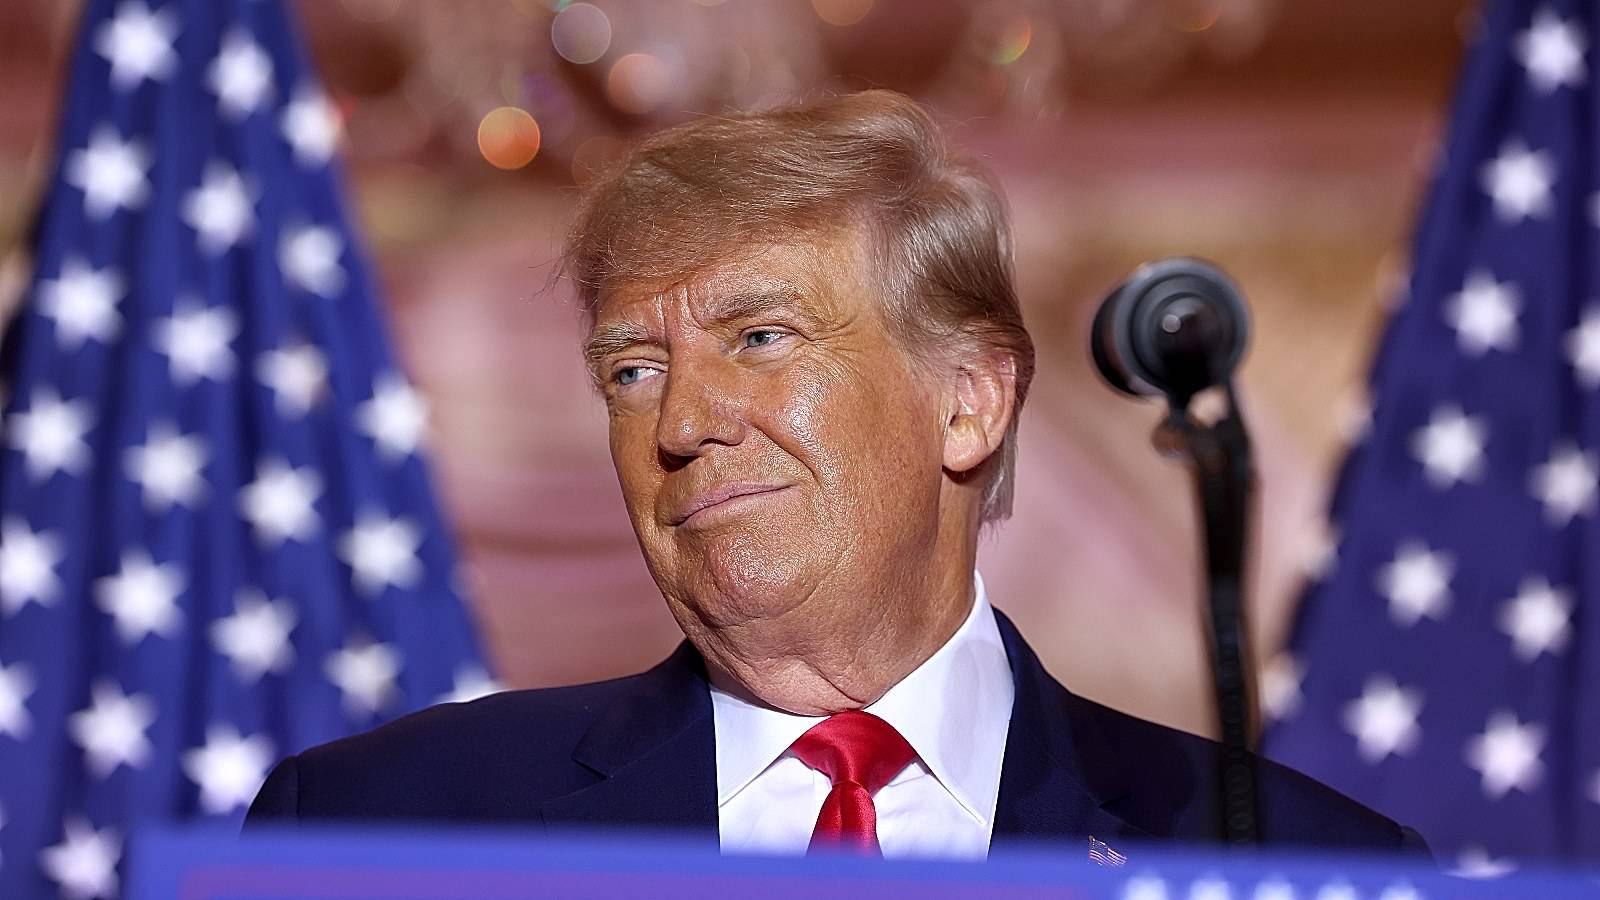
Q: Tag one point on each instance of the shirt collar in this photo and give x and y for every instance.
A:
(953, 709)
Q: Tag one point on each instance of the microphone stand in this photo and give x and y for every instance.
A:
(1224, 475)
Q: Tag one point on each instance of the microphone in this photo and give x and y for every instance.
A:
(1174, 328)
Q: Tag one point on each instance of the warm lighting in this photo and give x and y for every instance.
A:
(639, 83)
(371, 11)
(508, 137)
(595, 155)
(1013, 42)
(842, 12)
(1196, 15)
(581, 33)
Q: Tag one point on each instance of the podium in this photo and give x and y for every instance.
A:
(409, 864)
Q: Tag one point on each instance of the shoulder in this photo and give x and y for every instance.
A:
(1174, 774)
(492, 758)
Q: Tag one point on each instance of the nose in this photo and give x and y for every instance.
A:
(699, 409)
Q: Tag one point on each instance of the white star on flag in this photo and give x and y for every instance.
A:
(195, 341)
(365, 673)
(1484, 314)
(1384, 719)
(1552, 52)
(395, 417)
(229, 769)
(167, 468)
(1280, 687)
(255, 639)
(50, 434)
(1520, 181)
(1583, 348)
(1537, 620)
(1145, 887)
(1566, 484)
(309, 257)
(1274, 890)
(311, 126)
(1450, 447)
(112, 729)
(382, 551)
(142, 598)
(84, 864)
(1401, 891)
(16, 686)
(1417, 584)
(297, 375)
(1475, 862)
(1507, 755)
(471, 683)
(241, 75)
(28, 562)
(110, 172)
(1210, 887)
(1338, 890)
(138, 44)
(279, 503)
(82, 302)
(220, 210)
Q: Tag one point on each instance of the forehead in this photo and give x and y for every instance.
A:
(818, 277)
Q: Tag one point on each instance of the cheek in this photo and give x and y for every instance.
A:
(874, 433)
(633, 452)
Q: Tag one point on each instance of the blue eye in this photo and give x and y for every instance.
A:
(761, 338)
(630, 374)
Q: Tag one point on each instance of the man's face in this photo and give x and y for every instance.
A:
(779, 451)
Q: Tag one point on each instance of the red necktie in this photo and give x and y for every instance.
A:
(860, 753)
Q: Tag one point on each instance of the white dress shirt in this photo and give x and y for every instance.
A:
(954, 710)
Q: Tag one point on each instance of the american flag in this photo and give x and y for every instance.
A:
(1445, 668)
(217, 541)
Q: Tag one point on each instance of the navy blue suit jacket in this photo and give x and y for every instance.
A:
(639, 753)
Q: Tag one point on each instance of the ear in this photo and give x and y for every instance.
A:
(981, 396)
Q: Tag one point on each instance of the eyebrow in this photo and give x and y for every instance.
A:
(614, 337)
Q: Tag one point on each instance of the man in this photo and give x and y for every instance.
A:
(804, 327)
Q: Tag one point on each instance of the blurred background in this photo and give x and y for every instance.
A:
(1288, 141)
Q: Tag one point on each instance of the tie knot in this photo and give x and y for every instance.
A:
(855, 746)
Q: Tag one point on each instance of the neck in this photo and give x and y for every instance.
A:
(841, 650)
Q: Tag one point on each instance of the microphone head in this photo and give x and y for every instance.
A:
(1174, 328)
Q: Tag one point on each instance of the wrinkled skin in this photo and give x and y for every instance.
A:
(779, 372)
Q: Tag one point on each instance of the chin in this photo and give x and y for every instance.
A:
(752, 573)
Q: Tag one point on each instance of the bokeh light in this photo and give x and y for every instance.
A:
(842, 12)
(1196, 15)
(639, 83)
(1012, 42)
(581, 33)
(508, 137)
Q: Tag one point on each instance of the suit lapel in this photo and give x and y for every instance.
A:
(654, 755)
(1060, 776)
(654, 751)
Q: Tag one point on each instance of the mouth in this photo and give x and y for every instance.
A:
(704, 507)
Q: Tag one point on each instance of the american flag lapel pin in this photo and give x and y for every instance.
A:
(1101, 854)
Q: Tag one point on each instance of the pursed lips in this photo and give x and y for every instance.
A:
(719, 495)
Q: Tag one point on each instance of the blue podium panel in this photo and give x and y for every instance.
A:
(317, 864)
